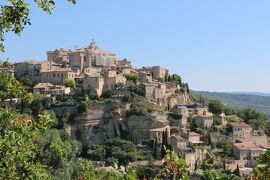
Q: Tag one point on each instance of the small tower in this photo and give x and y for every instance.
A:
(93, 45)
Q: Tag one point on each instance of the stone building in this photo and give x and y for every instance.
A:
(42, 88)
(60, 90)
(79, 59)
(100, 57)
(84, 57)
(192, 137)
(58, 56)
(145, 77)
(111, 82)
(158, 73)
(31, 68)
(205, 121)
(240, 131)
(93, 84)
(155, 92)
(57, 76)
(247, 151)
(50, 89)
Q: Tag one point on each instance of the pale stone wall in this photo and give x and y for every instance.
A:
(241, 133)
(204, 121)
(145, 77)
(246, 151)
(58, 56)
(159, 72)
(110, 82)
(149, 91)
(57, 76)
(93, 84)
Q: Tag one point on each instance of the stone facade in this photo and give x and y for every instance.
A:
(50, 89)
(247, 151)
(240, 131)
(31, 68)
(145, 77)
(57, 76)
(205, 121)
(155, 92)
(93, 84)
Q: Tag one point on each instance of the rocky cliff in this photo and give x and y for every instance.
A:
(103, 122)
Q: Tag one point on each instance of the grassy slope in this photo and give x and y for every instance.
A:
(260, 103)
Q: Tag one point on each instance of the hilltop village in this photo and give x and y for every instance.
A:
(147, 105)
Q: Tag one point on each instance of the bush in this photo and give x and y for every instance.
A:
(108, 94)
(98, 153)
(132, 76)
(138, 111)
(93, 96)
(69, 83)
(111, 161)
(215, 107)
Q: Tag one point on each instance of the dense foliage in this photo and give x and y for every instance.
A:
(69, 83)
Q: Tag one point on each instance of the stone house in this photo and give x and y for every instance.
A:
(42, 88)
(240, 131)
(155, 92)
(124, 63)
(192, 137)
(111, 82)
(60, 90)
(31, 68)
(57, 76)
(157, 72)
(94, 84)
(205, 121)
(50, 65)
(247, 151)
(58, 56)
(145, 77)
(50, 89)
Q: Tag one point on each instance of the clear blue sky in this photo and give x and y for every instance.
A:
(216, 45)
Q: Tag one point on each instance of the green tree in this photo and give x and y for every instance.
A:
(14, 15)
(174, 167)
(215, 106)
(10, 88)
(252, 117)
(69, 83)
(132, 76)
(37, 106)
(124, 151)
(97, 153)
(226, 146)
(262, 171)
(18, 150)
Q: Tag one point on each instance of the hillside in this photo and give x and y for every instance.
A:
(258, 102)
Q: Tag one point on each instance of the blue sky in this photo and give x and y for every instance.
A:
(214, 45)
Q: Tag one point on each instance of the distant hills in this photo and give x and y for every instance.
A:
(254, 100)
(251, 93)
